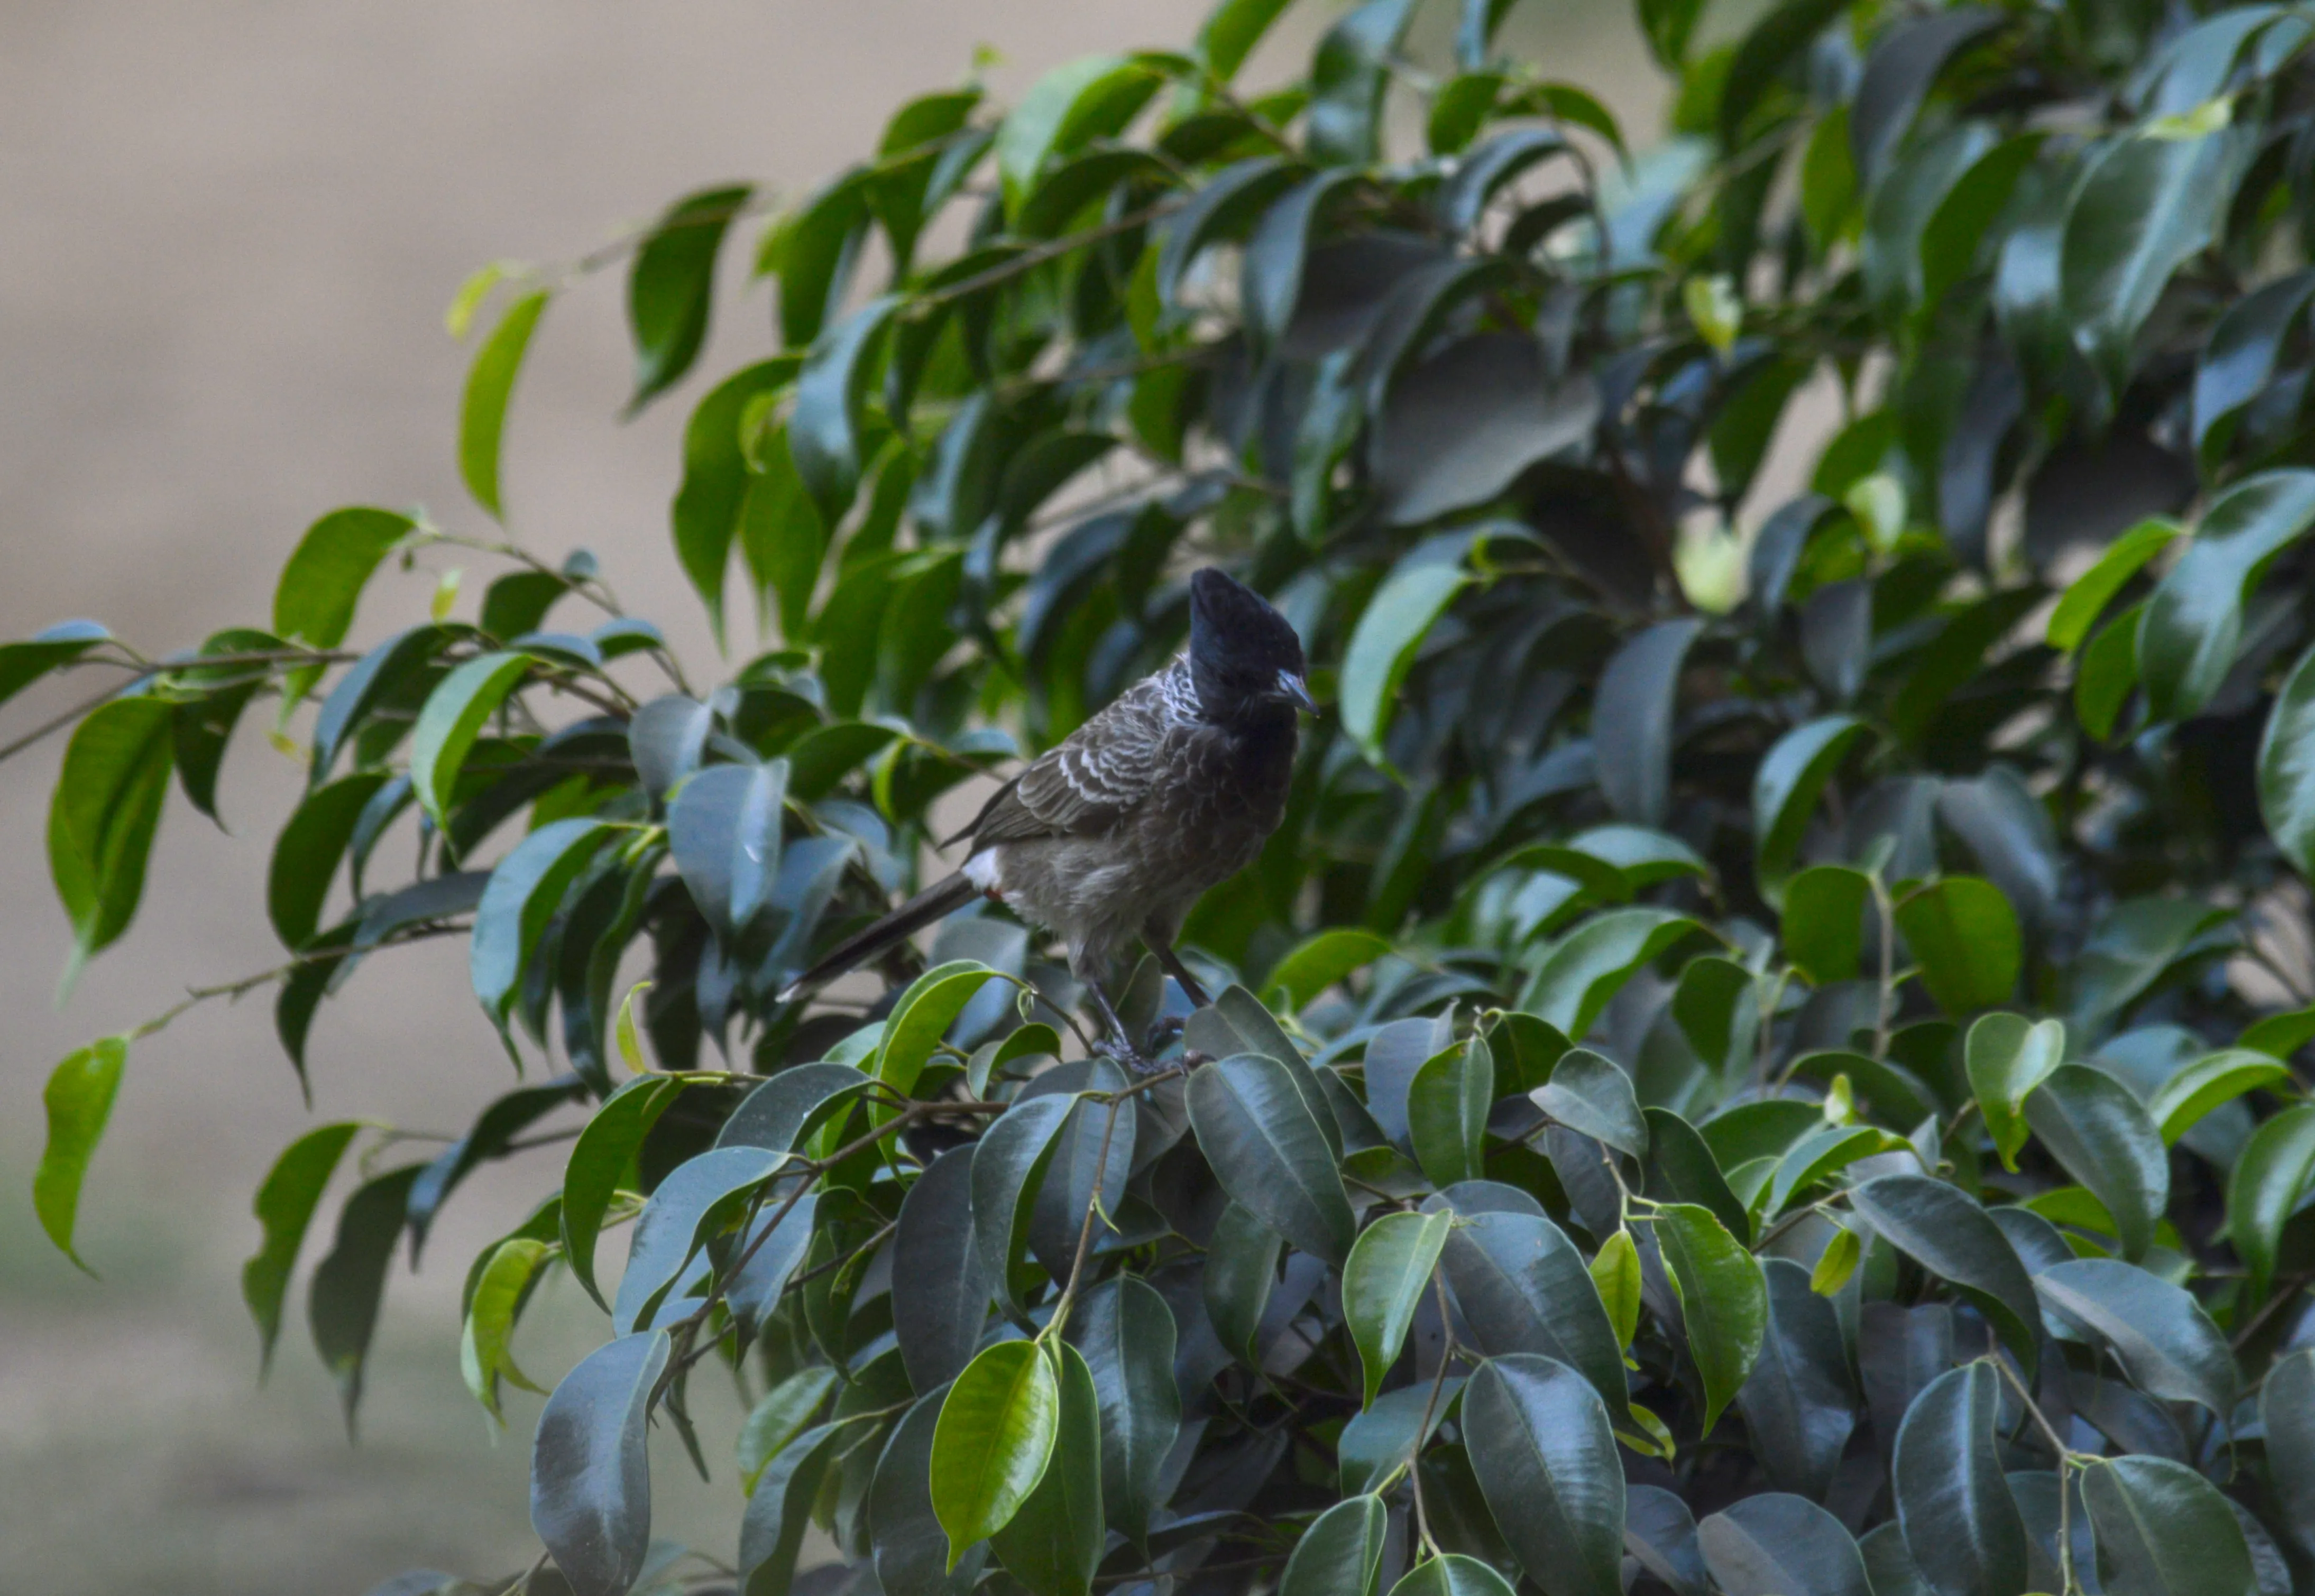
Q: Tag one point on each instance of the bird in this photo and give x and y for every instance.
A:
(1118, 829)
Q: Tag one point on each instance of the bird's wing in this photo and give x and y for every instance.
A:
(1092, 780)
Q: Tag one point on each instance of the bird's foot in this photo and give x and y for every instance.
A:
(1162, 1034)
(1120, 1050)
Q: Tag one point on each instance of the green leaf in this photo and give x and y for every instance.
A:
(700, 1199)
(1586, 968)
(485, 1350)
(524, 892)
(2192, 627)
(1009, 1164)
(1524, 1287)
(1092, 97)
(1798, 1403)
(1267, 1150)
(452, 718)
(1546, 1459)
(315, 601)
(2007, 1056)
(305, 855)
(2143, 208)
(2093, 1125)
(1341, 1554)
(2286, 1407)
(940, 1285)
(2188, 1097)
(1458, 425)
(1791, 778)
(1682, 1167)
(1126, 1333)
(1900, 205)
(1593, 1097)
(1724, 1302)
(24, 663)
(2087, 598)
(671, 287)
(724, 827)
(481, 421)
(1961, 1524)
(2270, 1175)
(825, 431)
(2162, 1530)
(1241, 1271)
(2108, 673)
(78, 1098)
(590, 1465)
(1323, 959)
(1054, 1540)
(1383, 646)
(922, 1015)
(997, 1432)
(284, 1204)
(1940, 1227)
(1904, 67)
(1963, 934)
(786, 1410)
(910, 1549)
(103, 813)
(1447, 1105)
(1632, 720)
(1776, 1544)
(1230, 32)
(780, 1509)
(1820, 1155)
(717, 481)
(1824, 921)
(1348, 77)
(2239, 359)
(1615, 1270)
(1774, 41)
(1389, 1271)
(342, 1299)
(600, 1161)
(1453, 1575)
(2159, 1335)
(2286, 767)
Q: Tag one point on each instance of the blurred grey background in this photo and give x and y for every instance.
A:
(227, 233)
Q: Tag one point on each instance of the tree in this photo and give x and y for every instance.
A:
(1771, 1057)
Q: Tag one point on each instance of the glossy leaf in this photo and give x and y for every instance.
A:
(1452, 1574)
(724, 825)
(2144, 207)
(698, 1199)
(1545, 1456)
(1348, 77)
(2162, 1530)
(1587, 967)
(485, 1353)
(1268, 1152)
(2270, 1175)
(1447, 1105)
(1524, 1287)
(1798, 1403)
(1594, 1097)
(2096, 1130)
(1961, 1524)
(600, 1159)
(1632, 720)
(1390, 631)
(1824, 921)
(102, 818)
(1723, 1299)
(2286, 767)
(671, 286)
(1939, 1226)
(342, 1302)
(1791, 778)
(2164, 1340)
(1779, 1545)
(1341, 1554)
(2009, 1056)
(590, 1469)
(997, 1432)
(315, 599)
(1963, 934)
(1127, 1336)
(1009, 1165)
(481, 417)
(2192, 627)
(1054, 1540)
(452, 718)
(2094, 590)
(523, 894)
(284, 1206)
(1388, 1271)
(940, 1286)
(2286, 1405)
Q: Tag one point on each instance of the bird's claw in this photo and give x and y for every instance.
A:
(1120, 1050)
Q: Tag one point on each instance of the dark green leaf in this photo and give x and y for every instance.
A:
(1241, 1273)
(482, 418)
(940, 1286)
(600, 1161)
(1632, 720)
(305, 855)
(1457, 426)
(1961, 1524)
(1798, 1404)
(342, 1302)
(2240, 358)
(2286, 767)
(1009, 1164)
(2270, 1176)
(1092, 97)
(2094, 1127)
(1791, 777)
(2192, 627)
(1779, 1545)
(700, 1197)
(1126, 1333)
(1905, 62)
(78, 1098)
(285, 1205)
(1341, 1554)
(1383, 1283)
(590, 1465)
(1824, 921)
(1540, 1441)
(2144, 207)
(1231, 31)
(2006, 1057)
(779, 1510)
(2087, 598)
(910, 1550)
(1591, 1096)
(1453, 1575)
(1940, 1227)
(1381, 1438)
(2162, 1530)
(522, 896)
(1447, 1105)
(1348, 77)
(24, 663)
(666, 738)
(1683, 1168)
(453, 717)
(2210, 1082)
(1389, 634)
(1055, 1539)
(672, 285)
(2286, 1405)
(2164, 1340)
(1269, 1153)
(1963, 934)
(1589, 966)
(825, 431)
(724, 827)
(922, 1015)
(1524, 1287)
(1774, 43)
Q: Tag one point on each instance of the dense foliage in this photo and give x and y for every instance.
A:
(1767, 1053)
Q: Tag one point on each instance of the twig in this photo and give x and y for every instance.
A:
(1059, 1321)
(1029, 260)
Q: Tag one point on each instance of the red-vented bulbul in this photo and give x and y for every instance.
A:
(1114, 833)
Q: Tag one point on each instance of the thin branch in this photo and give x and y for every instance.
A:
(1029, 260)
(1059, 1321)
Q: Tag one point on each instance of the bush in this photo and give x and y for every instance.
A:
(1764, 1055)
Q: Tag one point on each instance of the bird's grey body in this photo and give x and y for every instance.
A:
(1090, 843)
(1114, 834)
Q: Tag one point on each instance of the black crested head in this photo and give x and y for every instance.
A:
(1244, 656)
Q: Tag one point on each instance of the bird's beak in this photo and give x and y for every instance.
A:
(1297, 692)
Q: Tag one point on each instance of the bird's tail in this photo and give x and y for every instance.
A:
(935, 902)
